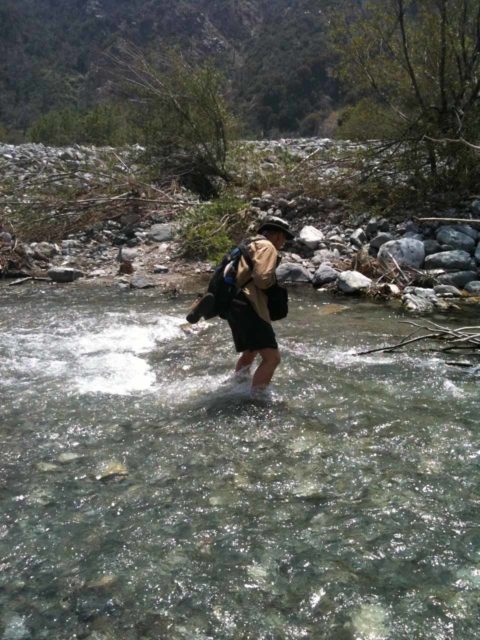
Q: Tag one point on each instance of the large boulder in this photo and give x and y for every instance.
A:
(323, 275)
(449, 260)
(311, 237)
(457, 278)
(291, 272)
(64, 274)
(353, 282)
(477, 254)
(408, 252)
(455, 239)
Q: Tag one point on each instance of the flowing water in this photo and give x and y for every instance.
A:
(144, 495)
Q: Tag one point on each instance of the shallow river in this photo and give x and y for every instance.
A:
(143, 495)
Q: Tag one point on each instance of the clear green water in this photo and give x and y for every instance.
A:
(346, 508)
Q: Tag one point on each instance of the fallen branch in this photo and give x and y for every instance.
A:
(456, 339)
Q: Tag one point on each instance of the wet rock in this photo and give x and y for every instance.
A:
(473, 287)
(406, 251)
(112, 470)
(311, 237)
(64, 274)
(455, 239)
(68, 457)
(323, 275)
(353, 282)
(291, 272)
(450, 260)
(104, 582)
(477, 254)
(47, 467)
(457, 278)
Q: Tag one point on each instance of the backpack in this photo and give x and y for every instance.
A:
(222, 289)
(223, 283)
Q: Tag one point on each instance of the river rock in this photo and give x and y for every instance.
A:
(323, 275)
(431, 246)
(324, 255)
(371, 228)
(353, 282)
(450, 260)
(477, 254)
(475, 207)
(447, 290)
(358, 238)
(466, 229)
(162, 232)
(112, 469)
(46, 249)
(406, 251)
(419, 299)
(455, 239)
(311, 237)
(473, 287)
(457, 278)
(64, 274)
(291, 272)
(140, 282)
(380, 240)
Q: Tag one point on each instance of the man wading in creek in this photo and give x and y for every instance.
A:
(251, 311)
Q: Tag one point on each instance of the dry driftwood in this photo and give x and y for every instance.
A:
(452, 339)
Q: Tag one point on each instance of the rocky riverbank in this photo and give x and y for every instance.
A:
(427, 264)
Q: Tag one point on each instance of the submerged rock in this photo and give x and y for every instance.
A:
(111, 470)
(16, 628)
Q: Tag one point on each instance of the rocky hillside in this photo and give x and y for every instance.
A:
(51, 53)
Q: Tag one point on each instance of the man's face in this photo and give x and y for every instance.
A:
(279, 240)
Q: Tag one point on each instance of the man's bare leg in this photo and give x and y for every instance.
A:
(266, 368)
(245, 361)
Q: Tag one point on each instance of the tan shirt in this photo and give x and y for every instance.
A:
(265, 258)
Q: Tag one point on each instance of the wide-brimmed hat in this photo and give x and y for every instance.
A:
(276, 224)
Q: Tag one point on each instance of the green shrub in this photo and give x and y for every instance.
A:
(209, 230)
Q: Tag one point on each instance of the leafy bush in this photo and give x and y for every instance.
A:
(186, 123)
(209, 230)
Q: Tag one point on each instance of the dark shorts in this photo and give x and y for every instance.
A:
(249, 331)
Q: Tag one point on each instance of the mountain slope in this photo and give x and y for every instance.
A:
(51, 52)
